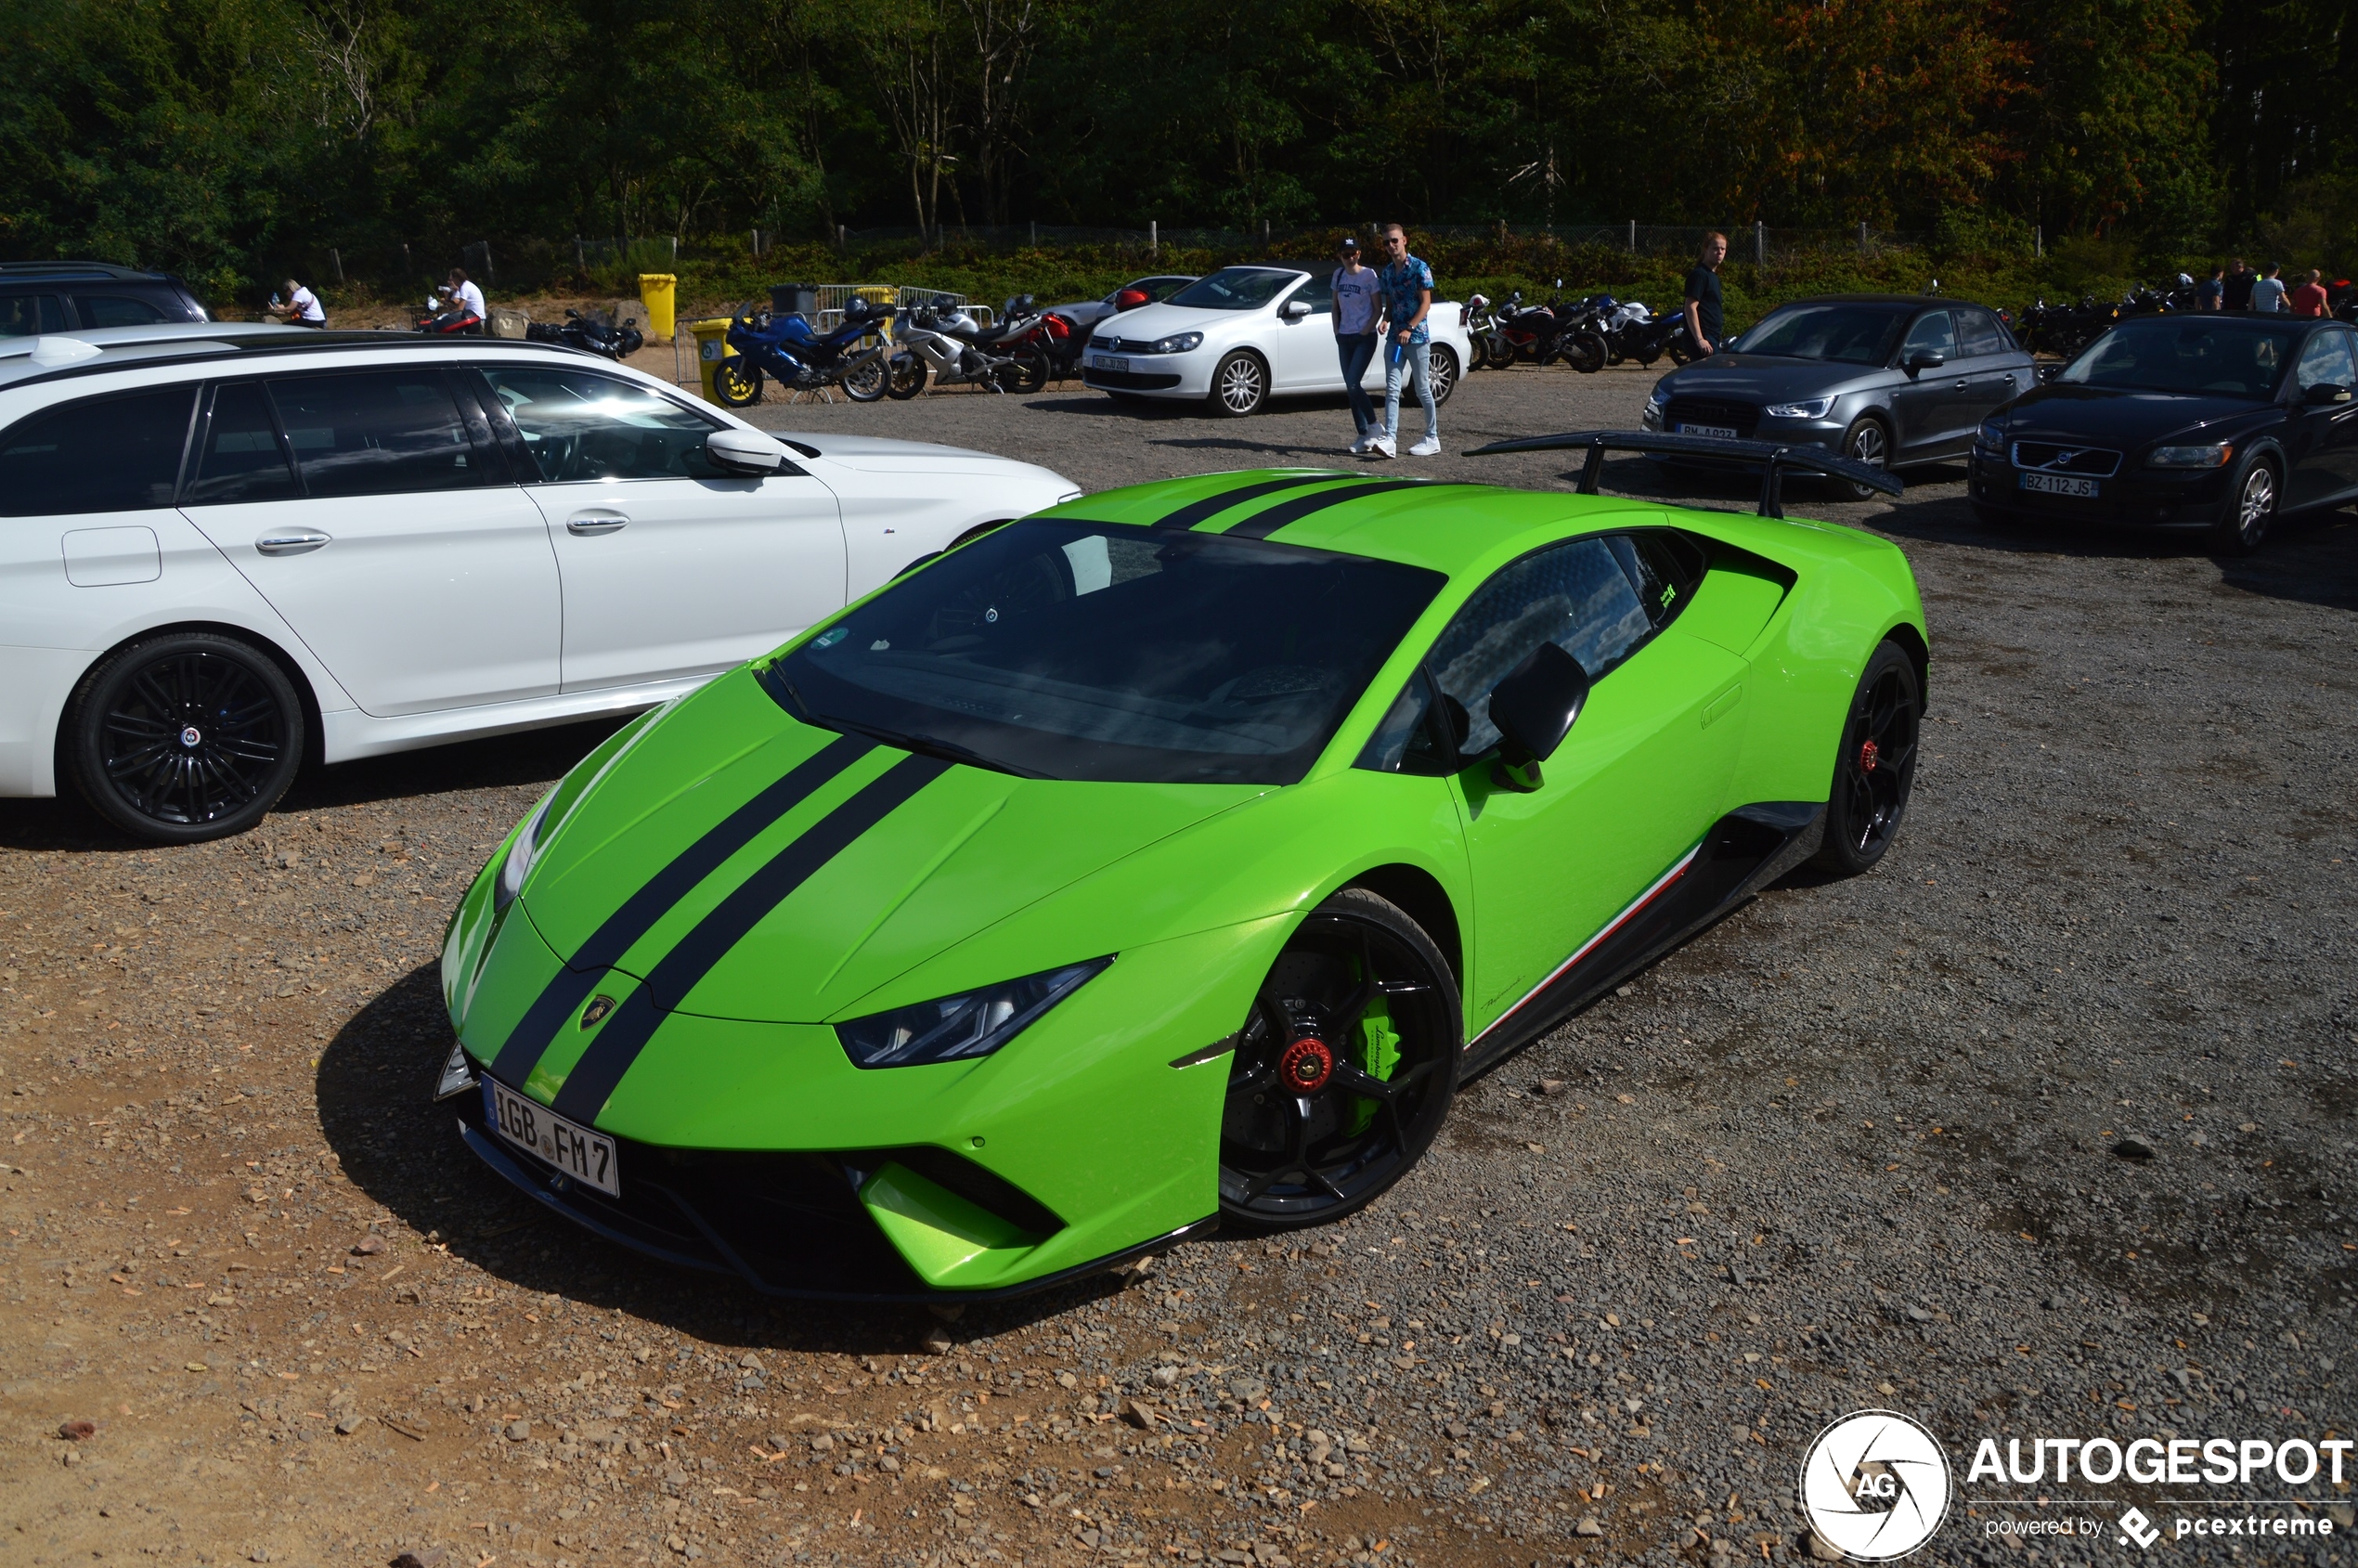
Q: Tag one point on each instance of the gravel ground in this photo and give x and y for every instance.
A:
(2042, 1129)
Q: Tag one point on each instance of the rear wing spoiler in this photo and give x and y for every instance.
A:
(1775, 457)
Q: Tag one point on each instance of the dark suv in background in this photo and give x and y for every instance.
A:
(37, 297)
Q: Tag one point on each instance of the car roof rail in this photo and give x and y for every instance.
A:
(1774, 456)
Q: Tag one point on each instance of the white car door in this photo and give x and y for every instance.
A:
(374, 513)
(1303, 356)
(672, 568)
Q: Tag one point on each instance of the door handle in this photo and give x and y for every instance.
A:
(592, 524)
(289, 544)
(1962, 382)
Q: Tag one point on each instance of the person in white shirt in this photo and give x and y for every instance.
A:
(302, 308)
(2268, 294)
(464, 294)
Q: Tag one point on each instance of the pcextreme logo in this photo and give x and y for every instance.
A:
(1875, 1485)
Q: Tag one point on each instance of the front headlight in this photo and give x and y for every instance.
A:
(558, 804)
(2213, 455)
(1179, 345)
(1991, 437)
(522, 853)
(1812, 408)
(961, 1027)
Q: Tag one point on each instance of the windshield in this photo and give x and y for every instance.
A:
(1079, 651)
(1846, 334)
(1236, 287)
(2175, 354)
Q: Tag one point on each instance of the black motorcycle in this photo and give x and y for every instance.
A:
(2064, 330)
(596, 332)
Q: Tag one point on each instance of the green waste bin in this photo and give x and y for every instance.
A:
(712, 348)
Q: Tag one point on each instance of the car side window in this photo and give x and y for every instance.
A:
(116, 310)
(1978, 334)
(2325, 361)
(1582, 596)
(25, 316)
(1318, 295)
(242, 457)
(1933, 333)
(377, 433)
(580, 426)
(102, 454)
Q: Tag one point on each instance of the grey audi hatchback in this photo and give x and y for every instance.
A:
(1890, 379)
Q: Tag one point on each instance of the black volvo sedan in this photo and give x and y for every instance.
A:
(2215, 421)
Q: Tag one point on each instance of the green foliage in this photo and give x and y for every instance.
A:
(234, 140)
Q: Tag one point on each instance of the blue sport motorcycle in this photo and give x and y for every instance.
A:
(783, 348)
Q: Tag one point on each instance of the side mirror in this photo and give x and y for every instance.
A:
(744, 451)
(1293, 310)
(2326, 392)
(1533, 708)
(2049, 370)
(1918, 362)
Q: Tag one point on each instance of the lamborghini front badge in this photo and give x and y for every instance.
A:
(595, 1013)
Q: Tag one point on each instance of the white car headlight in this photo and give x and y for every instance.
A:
(1179, 343)
(1811, 409)
(2214, 455)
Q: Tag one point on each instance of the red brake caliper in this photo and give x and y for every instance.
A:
(1867, 752)
(1306, 1065)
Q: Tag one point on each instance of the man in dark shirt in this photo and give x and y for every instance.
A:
(1705, 323)
(2212, 294)
(2239, 281)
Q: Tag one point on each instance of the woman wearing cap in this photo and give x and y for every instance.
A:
(1357, 303)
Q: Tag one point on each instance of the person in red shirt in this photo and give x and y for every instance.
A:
(2310, 298)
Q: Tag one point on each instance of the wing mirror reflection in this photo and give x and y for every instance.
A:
(744, 451)
(1917, 362)
(2326, 392)
(1534, 708)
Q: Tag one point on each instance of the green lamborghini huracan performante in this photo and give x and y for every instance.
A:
(1161, 861)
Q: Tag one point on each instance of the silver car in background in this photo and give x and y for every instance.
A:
(1890, 379)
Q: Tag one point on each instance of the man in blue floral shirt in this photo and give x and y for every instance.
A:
(1408, 297)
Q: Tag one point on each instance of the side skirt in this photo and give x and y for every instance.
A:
(1743, 852)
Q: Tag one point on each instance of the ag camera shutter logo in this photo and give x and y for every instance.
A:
(1875, 1485)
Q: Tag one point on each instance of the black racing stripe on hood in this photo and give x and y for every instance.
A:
(549, 1013)
(1212, 506)
(1263, 523)
(617, 1045)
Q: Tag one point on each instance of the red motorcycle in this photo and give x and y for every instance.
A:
(1057, 341)
(445, 317)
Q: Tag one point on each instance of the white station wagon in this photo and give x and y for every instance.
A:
(1244, 334)
(227, 550)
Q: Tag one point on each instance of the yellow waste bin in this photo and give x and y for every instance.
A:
(712, 348)
(659, 292)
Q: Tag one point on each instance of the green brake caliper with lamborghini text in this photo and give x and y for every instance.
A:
(1378, 1049)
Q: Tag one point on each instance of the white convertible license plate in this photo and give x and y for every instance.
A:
(584, 1156)
(2058, 485)
(1724, 432)
(1108, 362)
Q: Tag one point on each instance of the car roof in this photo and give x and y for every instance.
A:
(76, 272)
(1896, 301)
(57, 355)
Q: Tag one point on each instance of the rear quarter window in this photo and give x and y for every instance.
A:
(99, 454)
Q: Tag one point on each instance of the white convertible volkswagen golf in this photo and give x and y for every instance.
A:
(226, 551)
(1244, 333)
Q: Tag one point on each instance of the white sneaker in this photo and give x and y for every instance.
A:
(1359, 448)
(1383, 447)
(1429, 448)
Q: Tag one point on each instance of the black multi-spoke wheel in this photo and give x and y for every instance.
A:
(186, 736)
(2251, 507)
(1876, 767)
(1346, 1070)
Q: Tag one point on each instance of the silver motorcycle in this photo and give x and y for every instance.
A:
(952, 348)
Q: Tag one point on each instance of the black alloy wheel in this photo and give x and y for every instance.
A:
(905, 375)
(1239, 384)
(185, 737)
(1868, 442)
(865, 383)
(2249, 511)
(736, 382)
(1344, 1072)
(1441, 371)
(1585, 352)
(1875, 769)
(1027, 374)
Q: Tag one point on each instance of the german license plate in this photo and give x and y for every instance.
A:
(584, 1156)
(1726, 432)
(2059, 485)
(1108, 362)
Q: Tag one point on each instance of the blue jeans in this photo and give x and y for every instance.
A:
(1357, 350)
(1413, 362)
